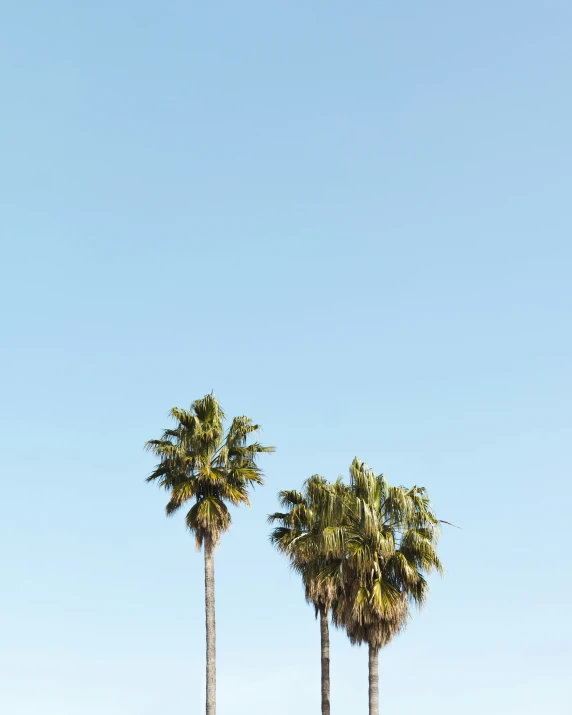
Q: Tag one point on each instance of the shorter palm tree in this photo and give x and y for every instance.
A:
(384, 546)
(300, 537)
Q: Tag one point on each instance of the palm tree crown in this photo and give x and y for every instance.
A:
(300, 535)
(201, 462)
(385, 546)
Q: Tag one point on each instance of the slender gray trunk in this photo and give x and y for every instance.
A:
(325, 645)
(210, 626)
(373, 680)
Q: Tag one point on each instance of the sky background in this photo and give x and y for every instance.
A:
(350, 220)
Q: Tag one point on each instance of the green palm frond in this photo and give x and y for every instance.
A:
(291, 498)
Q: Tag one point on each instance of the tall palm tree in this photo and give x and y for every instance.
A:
(300, 537)
(385, 545)
(206, 466)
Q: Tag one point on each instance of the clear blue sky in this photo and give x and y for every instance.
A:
(350, 220)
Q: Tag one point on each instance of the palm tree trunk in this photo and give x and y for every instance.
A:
(210, 626)
(373, 680)
(325, 645)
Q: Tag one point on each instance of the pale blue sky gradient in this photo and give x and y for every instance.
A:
(350, 220)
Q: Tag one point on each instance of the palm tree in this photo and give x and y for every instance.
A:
(300, 537)
(385, 544)
(207, 467)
